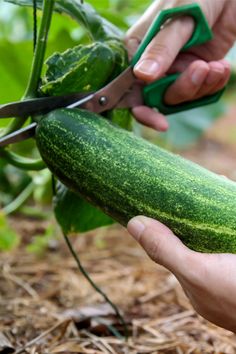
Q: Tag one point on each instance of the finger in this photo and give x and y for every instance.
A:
(150, 118)
(188, 85)
(163, 49)
(160, 243)
(136, 33)
(218, 76)
(227, 71)
(183, 62)
(227, 67)
(216, 80)
(215, 74)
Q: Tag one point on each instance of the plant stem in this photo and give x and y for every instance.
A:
(38, 59)
(105, 297)
(35, 24)
(16, 204)
(37, 64)
(22, 162)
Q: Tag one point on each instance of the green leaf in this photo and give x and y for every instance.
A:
(121, 117)
(186, 128)
(74, 214)
(12, 182)
(76, 70)
(99, 28)
(8, 237)
(14, 69)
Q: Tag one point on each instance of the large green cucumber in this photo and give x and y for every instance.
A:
(126, 176)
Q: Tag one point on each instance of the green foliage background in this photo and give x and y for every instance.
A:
(16, 46)
(16, 39)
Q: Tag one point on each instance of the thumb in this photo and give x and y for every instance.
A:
(163, 49)
(160, 243)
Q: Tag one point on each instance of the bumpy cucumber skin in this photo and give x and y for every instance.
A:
(125, 176)
(76, 70)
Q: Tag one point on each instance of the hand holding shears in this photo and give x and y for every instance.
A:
(123, 91)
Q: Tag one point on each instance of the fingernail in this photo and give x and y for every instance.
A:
(147, 66)
(198, 76)
(135, 228)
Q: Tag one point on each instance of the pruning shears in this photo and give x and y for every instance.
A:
(123, 91)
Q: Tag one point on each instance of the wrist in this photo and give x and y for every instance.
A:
(212, 9)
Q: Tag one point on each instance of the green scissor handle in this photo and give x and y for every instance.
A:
(154, 93)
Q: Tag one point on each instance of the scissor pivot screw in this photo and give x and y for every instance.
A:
(103, 100)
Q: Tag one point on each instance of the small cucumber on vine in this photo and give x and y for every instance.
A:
(79, 69)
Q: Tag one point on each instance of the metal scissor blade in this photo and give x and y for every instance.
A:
(110, 95)
(100, 101)
(40, 105)
(106, 98)
(19, 135)
(133, 98)
(29, 131)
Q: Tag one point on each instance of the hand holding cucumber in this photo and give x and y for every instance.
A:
(204, 71)
(208, 280)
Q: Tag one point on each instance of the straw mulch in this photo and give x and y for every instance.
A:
(46, 306)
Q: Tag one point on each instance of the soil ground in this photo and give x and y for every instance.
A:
(46, 305)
